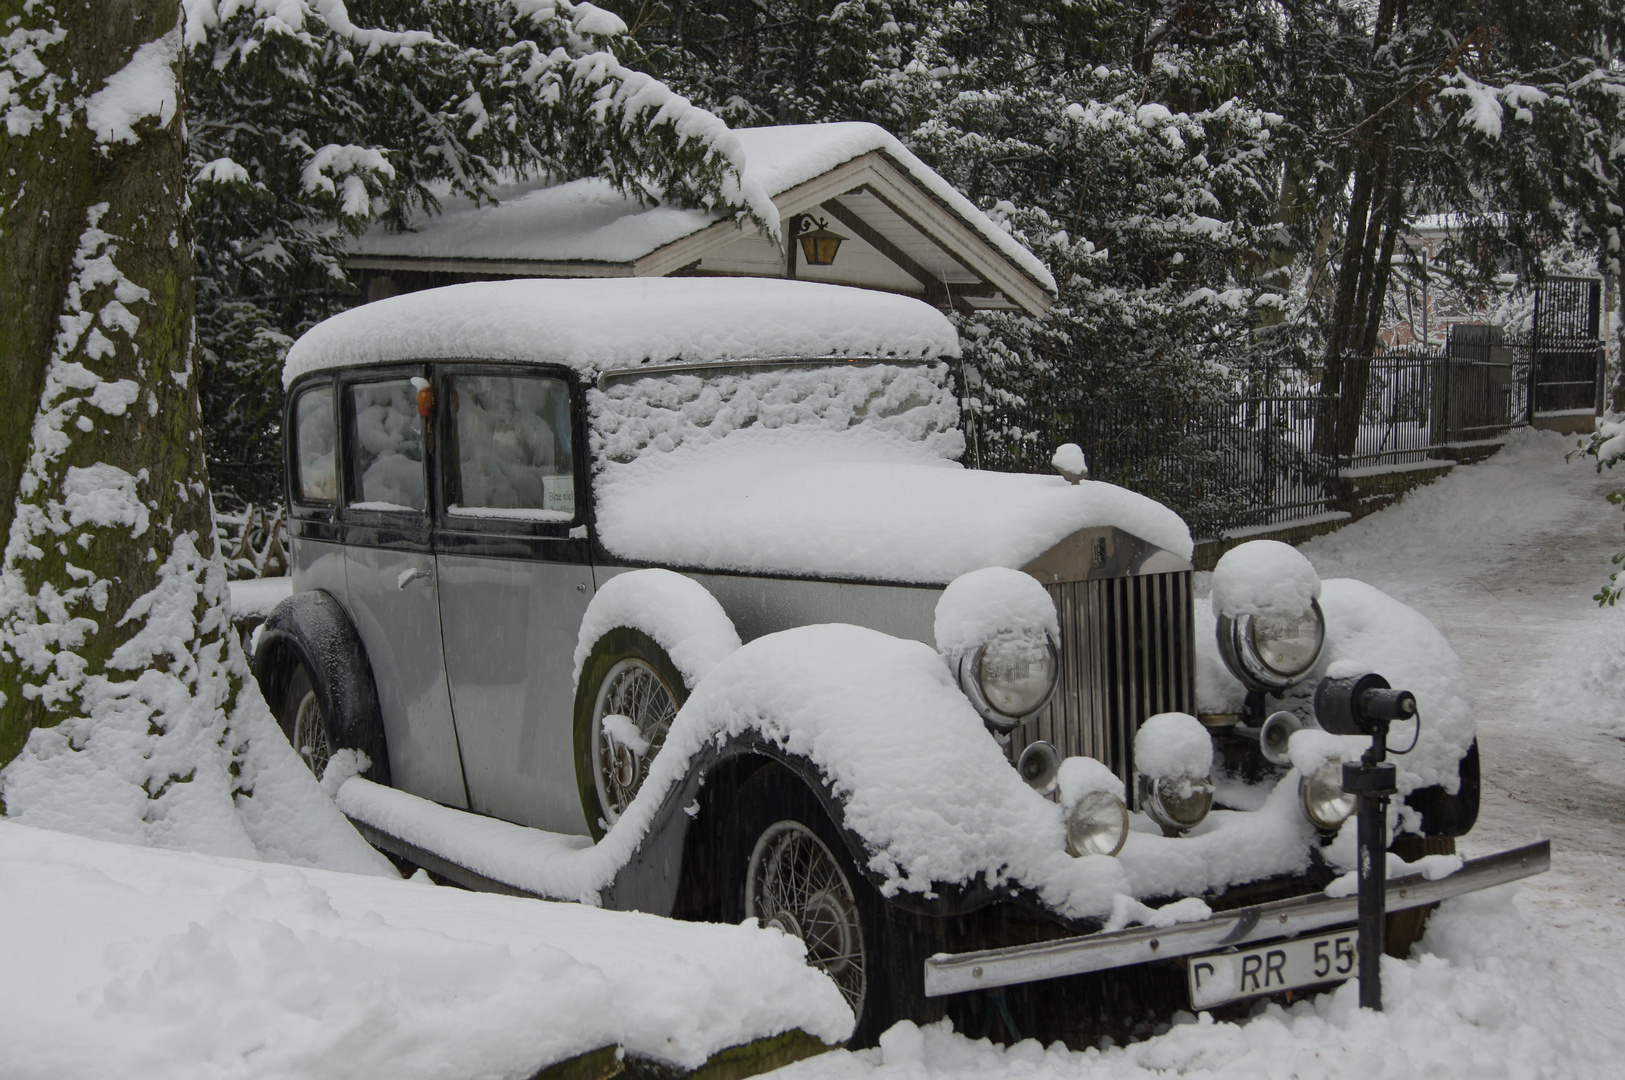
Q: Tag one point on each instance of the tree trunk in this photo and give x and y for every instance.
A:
(112, 602)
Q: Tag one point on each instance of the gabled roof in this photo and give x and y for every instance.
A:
(933, 240)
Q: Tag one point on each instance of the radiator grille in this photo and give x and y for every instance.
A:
(1126, 654)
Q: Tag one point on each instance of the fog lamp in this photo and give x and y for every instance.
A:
(1097, 825)
(1176, 803)
(1325, 803)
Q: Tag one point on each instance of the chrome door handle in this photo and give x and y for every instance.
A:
(410, 575)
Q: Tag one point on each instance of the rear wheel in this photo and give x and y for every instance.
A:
(304, 721)
(785, 864)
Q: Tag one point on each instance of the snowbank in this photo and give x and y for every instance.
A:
(675, 611)
(810, 502)
(597, 324)
(163, 964)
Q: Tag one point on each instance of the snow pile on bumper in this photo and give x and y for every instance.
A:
(168, 964)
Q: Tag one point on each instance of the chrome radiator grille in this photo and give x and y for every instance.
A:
(1127, 653)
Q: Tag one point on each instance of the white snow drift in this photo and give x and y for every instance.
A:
(169, 965)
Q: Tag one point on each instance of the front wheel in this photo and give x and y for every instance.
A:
(304, 721)
(787, 866)
(628, 696)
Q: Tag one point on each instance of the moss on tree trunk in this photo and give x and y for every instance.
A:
(101, 460)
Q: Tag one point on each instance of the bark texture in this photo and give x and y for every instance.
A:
(102, 479)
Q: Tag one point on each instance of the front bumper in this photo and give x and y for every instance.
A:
(954, 973)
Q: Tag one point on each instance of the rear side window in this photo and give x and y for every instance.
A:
(315, 438)
(387, 455)
(511, 453)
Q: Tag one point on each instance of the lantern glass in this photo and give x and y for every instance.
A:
(820, 245)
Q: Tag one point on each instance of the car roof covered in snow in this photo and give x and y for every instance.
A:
(596, 325)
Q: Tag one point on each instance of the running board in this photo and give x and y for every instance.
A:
(438, 865)
(989, 968)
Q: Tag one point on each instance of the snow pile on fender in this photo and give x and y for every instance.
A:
(173, 964)
(677, 612)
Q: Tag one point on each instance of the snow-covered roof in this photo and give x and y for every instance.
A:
(597, 324)
(587, 221)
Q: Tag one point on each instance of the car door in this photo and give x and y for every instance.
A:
(515, 580)
(391, 585)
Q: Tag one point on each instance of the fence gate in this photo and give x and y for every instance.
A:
(1567, 357)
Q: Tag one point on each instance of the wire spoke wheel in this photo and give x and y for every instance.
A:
(630, 718)
(793, 882)
(310, 733)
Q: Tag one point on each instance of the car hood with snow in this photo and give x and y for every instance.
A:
(854, 509)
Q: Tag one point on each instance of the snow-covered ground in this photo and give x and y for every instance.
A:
(1523, 981)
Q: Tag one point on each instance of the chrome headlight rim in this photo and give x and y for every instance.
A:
(1326, 811)
(1162, 805)
(970, 682)
(1240, 653)
(1098, 808)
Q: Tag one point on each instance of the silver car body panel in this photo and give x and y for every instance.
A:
(318, 564)
(510, 630)
(392, 596)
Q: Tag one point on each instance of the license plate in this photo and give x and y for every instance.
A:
(1269, 969)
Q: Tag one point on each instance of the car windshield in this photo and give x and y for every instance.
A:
(636, 414)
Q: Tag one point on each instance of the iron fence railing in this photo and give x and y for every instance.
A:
(1261, 460)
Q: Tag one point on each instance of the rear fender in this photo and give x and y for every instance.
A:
(312, 628)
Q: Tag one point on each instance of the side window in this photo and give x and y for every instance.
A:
(386, 458)
(511, 451)
(315, 438)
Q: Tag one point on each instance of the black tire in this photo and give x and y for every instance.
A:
(623, 661)
(308, 645)
(305, 716)
(775, 814)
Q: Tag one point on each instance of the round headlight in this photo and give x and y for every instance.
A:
(1177, 804)
(1097, 825)
(1325, 803)
(1272, 650)
(1012, 677)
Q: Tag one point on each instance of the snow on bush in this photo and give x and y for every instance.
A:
(1263, 575)
(1173, 745)
(677, 612)
(181, 965)
(976, 606)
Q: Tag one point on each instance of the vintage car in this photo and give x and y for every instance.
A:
(683, 581)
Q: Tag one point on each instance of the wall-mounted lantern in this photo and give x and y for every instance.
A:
(818, 243)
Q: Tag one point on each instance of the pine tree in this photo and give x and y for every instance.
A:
(126, 709)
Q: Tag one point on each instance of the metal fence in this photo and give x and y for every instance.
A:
(1265, 460)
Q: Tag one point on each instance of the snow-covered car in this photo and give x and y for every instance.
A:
(683, 578)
